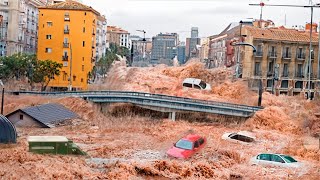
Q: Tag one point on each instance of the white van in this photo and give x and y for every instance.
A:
(195, 83)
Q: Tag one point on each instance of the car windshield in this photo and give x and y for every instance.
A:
(288, 159)
(203, 85)
(184, 144)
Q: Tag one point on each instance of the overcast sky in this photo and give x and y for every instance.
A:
(211, 16)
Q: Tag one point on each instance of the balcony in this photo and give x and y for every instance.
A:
(97, 44)
(258, 73)
(65, 58)
(93, 59)
(272, 54)
(301, 56)
(286, 56)
(93, 33)
(259, 54)
(65, 45)
(103, 43)
(285, 74)
(299, 75)
(66, 31)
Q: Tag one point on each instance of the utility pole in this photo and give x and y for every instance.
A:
(238, 54)
(70, 76)
(2, 98)
(300, 6)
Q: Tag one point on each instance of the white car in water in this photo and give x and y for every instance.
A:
(243, 137)
(196, 84)
(278, 160)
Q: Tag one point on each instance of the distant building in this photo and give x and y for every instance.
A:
(101, 37)
(118, 36)
(191, 44)
(204, 49)
(141, 49)
(181, 53)
(194, 32)
(18, 26)
(164, 47)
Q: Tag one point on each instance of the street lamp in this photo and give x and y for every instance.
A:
(2, 99)
(260, 82)
(301, 6)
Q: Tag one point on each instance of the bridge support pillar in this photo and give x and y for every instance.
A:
(172, 116)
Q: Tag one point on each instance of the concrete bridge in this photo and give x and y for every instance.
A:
(158, 102)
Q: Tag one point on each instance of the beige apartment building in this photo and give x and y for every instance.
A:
(18, 26)
(281, 60)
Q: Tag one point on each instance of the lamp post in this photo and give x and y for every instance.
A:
(238, 54)
(2, 97)
(260, 82)
(309, 62)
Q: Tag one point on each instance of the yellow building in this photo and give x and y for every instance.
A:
(67, 35)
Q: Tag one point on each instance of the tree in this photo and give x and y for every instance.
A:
(44, 72)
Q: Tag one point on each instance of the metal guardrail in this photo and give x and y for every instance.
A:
(157, 100)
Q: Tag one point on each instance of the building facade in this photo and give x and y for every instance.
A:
(192, 43)
(118, 36)
(164, 48)
(68, 35)
(141, 49)
(204, 49)
(281, 60)
(18, 26)
(101, 37)
(181, 53)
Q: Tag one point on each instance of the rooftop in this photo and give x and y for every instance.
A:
(116, 29)
(71, 5)
(281, 34)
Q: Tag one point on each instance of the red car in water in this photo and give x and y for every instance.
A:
(187, 146)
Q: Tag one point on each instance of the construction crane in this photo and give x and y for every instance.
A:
(144, 34)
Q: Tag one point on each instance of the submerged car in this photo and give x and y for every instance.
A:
(242, 137)
(196, 84)
(279, 160)
(187, 146)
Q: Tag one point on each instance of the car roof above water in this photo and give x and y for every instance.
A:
(192, 81)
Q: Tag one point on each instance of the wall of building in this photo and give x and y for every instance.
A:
(81, 37)
(26, 120)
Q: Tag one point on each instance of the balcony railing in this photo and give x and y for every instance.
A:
(259, 54)
(65, 58)
(272, 54)
(257, 73)
(286, 56)
(285, 74)
(65, 45)
(301, 56)
(300, 75)
(66, 31)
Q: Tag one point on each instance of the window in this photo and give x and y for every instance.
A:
(49, 24)
(74, 78)
(285, 70)
(64, 77)
(257, 70)
(201, 141)
(48, 50)
(259, 50)
(83, 43)
(21, 117)
(265, 157)
(299, 70)
(187, 85)
(82, 58)
(82, 80)
(82, 67)
(276, 158)
(196, 144)
(300, 53)
(84, 29)
(270, 68)
(49, 37)
(286, 52)
(197, 86)
(85, 13)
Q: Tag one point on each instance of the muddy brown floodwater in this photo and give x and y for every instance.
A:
(127, 143)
